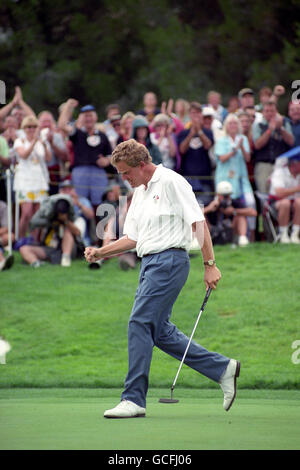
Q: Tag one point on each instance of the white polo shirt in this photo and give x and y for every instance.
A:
(283, 178)
(161, 216)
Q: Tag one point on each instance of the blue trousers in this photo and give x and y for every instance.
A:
(162, 276)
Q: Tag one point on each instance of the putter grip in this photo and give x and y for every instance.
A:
(206, 298)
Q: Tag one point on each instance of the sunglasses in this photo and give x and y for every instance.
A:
(30, 127)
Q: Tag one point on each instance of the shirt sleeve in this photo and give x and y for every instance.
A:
(277, 179)
(130, 226)
(221, 147)
(107, 150)
(4, 148)
(182, 199)
(256, 132)
(246, 143)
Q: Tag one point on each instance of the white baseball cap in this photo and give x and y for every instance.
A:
(224, 188)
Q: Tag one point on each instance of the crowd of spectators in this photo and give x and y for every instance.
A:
(61, 170)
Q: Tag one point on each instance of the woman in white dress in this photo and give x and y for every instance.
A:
(31, 182)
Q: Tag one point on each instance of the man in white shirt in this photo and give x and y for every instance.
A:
(285, 195)
(160, 222)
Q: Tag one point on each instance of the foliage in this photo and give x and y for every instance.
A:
(115, 50)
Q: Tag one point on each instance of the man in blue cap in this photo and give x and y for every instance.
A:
(285, 194)
(91, 152)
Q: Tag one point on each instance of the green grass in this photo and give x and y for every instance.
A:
(68, 327)
(73, 419)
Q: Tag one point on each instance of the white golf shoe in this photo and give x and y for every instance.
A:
(228, 383)
(125, 409)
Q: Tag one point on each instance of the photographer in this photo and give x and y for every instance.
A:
(59, 233)
(228, 216)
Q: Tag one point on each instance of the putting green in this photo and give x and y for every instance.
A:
(73, 419)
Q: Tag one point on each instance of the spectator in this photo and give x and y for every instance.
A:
(164, 137)
(246, 129)
(112, 110)
(194, 144)
(211, 122)
(126, 127)
(265, 95)
(272, 137)
(250, 110)
(214, 100)
(5, 161)
(17, 108)
(294, 119)
(91, 152)
(230, 216)
(5, 262)
(114, 230)
(150, 108)
(233, 104)
(115, 122)
(10, 130)
(285, 196)
(167, 109)
(141, 133)
(182, 108)
(112, 194)
(278, 91)
(56, 217)
(31, 180)
(232, 152)
(83, 209)
(4, 153)
(58, 149)
(246, 97)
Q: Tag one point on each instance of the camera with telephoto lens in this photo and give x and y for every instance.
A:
(226, 202)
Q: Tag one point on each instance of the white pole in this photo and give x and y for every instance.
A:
(17, 215)
(9, 208)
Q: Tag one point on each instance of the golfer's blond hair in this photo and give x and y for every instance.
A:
(130, 152)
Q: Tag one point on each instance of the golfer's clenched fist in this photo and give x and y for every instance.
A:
(92, 254)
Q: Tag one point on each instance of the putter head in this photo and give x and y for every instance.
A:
(167, 400)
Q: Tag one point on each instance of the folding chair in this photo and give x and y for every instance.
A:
(269, 216)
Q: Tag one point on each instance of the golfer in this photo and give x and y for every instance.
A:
(160, 223)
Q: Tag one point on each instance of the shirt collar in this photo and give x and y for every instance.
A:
(156, 175)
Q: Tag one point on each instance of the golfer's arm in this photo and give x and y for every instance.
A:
(207, 246)
(114, 248)
(212, 274)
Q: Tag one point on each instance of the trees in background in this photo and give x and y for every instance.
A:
(115, 50)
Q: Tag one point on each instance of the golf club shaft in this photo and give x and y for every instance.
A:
(190, 340)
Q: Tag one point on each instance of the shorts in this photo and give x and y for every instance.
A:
(53, 254)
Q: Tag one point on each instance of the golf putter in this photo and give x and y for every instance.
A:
(171, 400)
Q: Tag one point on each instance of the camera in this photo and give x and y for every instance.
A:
(226, 202)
